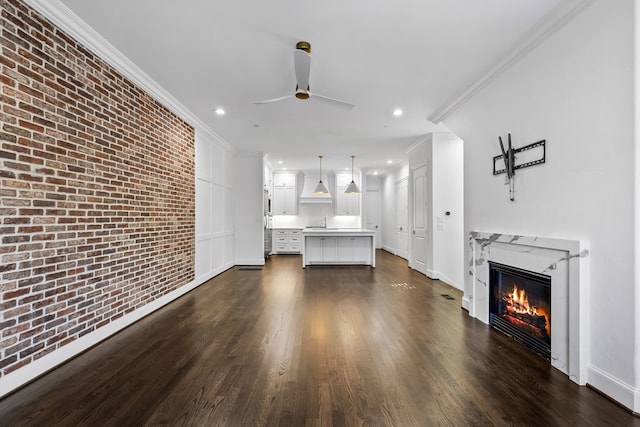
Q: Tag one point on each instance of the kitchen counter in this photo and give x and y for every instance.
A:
(338, 246)
(321, 231)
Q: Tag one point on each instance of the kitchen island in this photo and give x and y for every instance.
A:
(338, 246)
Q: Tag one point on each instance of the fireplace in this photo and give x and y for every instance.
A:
(566, 262)
(520, 305)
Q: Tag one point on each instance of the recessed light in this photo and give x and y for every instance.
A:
(375, 172)
(397, 112)
(389, 162)
(220, 111)
(280, 162)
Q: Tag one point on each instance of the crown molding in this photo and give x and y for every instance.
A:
(423, 139)
(64, 18)
(548, 25)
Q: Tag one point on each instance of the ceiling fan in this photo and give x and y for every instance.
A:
(302, 64)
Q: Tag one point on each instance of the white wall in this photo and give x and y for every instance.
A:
(447, 196)
(576, 91)
(636, 405)
(248, 214)
(214, 208)
(442, 154)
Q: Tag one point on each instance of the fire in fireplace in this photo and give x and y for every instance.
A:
(520, 305)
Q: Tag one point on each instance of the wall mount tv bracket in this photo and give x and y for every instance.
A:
(529, 155)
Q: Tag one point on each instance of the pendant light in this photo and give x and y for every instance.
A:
(320, 188)
(353, 187)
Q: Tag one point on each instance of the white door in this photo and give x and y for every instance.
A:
(402, 219)
(419, 217)
(373, 213)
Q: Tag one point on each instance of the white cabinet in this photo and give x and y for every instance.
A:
(287, 240)
(322, 249)
(343, 179)
(284, 179)
(355, 249)
(313, 248)
(346, 204)
(285, 201)
(285, 193)
(338, 247)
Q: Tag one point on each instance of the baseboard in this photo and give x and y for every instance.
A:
(433, 275)
(389, 249)
(250, 261)
(615, 389)
(465, 302)
(213, 273)
(447, 280)
(37, 368)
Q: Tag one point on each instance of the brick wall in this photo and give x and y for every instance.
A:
(97, 198)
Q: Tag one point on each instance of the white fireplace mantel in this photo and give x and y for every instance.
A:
(567, 262)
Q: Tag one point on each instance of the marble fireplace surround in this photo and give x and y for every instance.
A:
(567, 262)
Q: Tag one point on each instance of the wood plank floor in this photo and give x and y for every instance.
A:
(324, 346)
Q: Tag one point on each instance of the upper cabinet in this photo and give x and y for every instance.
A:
(346, 204)
(285, 193)
(284, 179)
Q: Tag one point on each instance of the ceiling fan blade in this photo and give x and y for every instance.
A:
(269, 101)
(302, 64)
(333, 101)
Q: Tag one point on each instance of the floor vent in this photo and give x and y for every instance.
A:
(447, 296)
(403, 285)
(248, 267)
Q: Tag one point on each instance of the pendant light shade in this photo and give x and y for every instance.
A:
(320, 188)
(353, 187)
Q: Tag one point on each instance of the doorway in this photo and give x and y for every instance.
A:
(402, 219)
(373, 213)
(419, 217)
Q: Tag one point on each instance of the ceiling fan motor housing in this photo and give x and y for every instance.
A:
(301, 94)
(302, 45)
(302, 65)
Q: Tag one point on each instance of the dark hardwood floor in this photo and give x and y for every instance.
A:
(324, 346)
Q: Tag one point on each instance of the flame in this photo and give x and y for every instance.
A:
(519, 303)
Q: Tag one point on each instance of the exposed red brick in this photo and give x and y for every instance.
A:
(97, 197)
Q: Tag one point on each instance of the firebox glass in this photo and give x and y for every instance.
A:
(520, 305)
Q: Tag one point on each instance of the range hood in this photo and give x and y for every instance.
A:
(309, 185)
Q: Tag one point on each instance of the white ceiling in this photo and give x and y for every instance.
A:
(380, 55)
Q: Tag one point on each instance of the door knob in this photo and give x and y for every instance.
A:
(414, 231)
